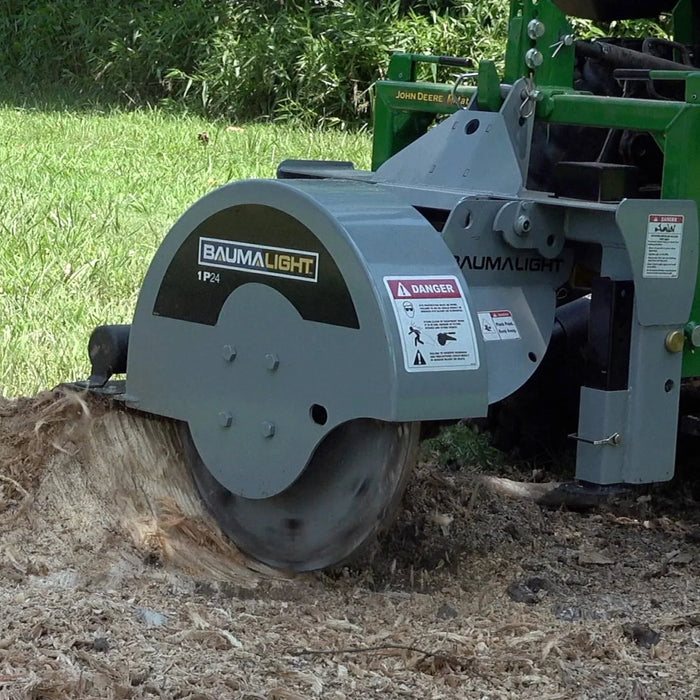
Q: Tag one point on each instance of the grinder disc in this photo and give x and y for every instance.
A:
(348, 490)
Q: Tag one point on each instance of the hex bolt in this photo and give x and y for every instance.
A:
(228, 352)
(225, 419)
(534, 58)
(522, 225)
(272, 361)
(535, 29)
(268, 429)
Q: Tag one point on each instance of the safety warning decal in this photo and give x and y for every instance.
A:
(498, 325)
(436, 328)
(662, 255)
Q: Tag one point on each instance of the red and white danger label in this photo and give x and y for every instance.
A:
(434, 322)
(498, 325)
(424, 288)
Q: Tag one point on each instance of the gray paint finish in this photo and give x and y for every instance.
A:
(473, 166)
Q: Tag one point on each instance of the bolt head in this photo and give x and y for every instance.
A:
(692, 332)
(535, 29)
(534, 58)
(228, 352)
(268, 429)
(675, 340)
(522, 225)
(225, 419)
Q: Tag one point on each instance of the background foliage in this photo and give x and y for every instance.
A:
(241, 59)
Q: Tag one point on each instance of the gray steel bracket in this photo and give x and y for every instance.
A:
(470, 151)
(529, 225)
(629, 436)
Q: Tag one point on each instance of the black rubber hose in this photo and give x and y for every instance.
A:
(620, 57)
(570, 327)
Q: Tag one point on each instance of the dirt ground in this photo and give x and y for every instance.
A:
(115, 584)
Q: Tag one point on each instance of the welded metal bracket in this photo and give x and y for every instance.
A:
(659, 245)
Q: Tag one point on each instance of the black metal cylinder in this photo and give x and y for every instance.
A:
(621, 57)
(108, 349)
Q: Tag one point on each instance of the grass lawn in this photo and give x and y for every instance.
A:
(85, 199)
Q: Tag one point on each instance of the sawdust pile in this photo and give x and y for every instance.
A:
(115, 583)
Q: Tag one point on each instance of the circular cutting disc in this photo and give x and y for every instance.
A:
(348, 490)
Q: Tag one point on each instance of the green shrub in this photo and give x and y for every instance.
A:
(239, 58)
(122, 47)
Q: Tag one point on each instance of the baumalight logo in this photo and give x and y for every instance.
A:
(259, 259)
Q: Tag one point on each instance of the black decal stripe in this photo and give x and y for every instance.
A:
(183, 296)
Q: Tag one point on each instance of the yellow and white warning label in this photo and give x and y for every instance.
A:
(437, 333)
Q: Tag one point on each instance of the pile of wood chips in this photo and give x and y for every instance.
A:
(115, 583)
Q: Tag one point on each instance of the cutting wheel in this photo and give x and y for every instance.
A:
(349, 489)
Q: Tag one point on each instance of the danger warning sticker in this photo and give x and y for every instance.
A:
(498, 325)
(434, 322)
(662, 254)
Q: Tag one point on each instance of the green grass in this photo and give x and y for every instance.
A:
(460, 444)
(85, 199)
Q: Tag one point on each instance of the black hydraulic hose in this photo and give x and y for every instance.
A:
(570, 327)
(620, 57)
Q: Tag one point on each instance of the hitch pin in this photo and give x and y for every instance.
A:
(614, 440)
(566, 40)
(460, 79)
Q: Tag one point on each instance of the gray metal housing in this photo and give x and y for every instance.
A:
(250, 384)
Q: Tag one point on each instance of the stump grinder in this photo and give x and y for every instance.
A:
(302, 328)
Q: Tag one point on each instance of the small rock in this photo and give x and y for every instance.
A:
(642, 635)
(151, 617)
(693, 535)
(100, 644)
(595, 558)
(525, 590)
(682, 558)
(520, 593)
(568, 613)
(446, 612)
